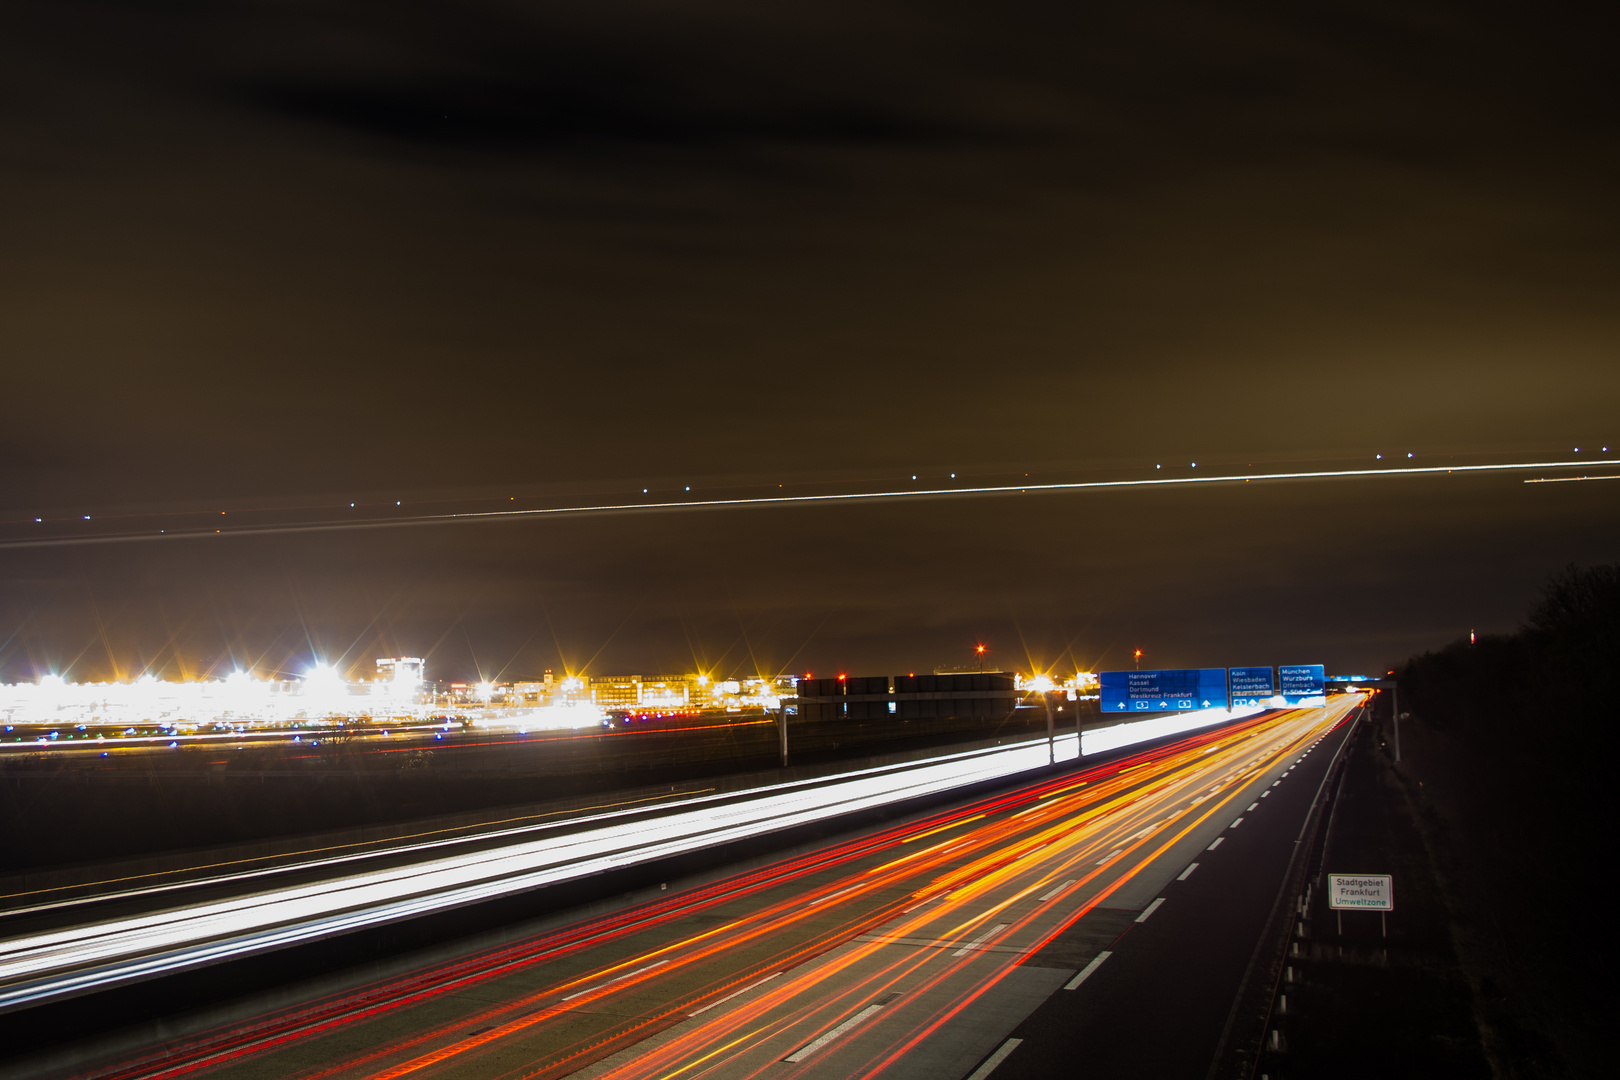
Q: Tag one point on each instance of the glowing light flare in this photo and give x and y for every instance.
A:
(147, 702)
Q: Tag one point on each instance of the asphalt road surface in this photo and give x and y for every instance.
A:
(1051, 925)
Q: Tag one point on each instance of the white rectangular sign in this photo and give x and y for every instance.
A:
(1361, 892)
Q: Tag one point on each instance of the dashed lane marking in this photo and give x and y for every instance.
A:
(981, 939)
(1086, 972)
(810, 1048)
(610, 982)
(994, 1059)
(735, 993)
(1057, 890)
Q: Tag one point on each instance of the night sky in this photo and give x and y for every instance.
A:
(260, 256)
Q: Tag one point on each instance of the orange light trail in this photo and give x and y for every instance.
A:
(979, 876)
(1020, 843)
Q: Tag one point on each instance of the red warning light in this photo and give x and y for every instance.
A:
(841, 676)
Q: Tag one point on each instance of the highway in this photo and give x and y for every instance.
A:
(912, 948)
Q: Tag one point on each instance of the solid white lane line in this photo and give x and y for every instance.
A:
(810, 1048)
(1187, 873)
(1085, 972)
(610, 982)
(1057, 890)
(736, 993)
(1149, 910)
(1216, 844)
(994, 1059)
(981, 939)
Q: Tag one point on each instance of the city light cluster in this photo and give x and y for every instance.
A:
(323, 697)
(237, 700)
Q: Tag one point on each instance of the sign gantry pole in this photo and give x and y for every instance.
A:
(1051, 730)
(1395, 707)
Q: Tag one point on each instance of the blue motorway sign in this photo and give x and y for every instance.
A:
(1250, 686)
(1162, 691)
(1302, 681)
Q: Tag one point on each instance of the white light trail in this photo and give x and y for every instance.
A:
(79, 959)
(1129, 733)
(794, 500)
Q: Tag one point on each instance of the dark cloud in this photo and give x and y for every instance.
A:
(535, 115)
(261, 254)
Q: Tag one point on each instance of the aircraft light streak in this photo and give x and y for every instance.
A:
(891, 495)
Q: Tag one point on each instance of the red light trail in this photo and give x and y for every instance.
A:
(782, 953)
